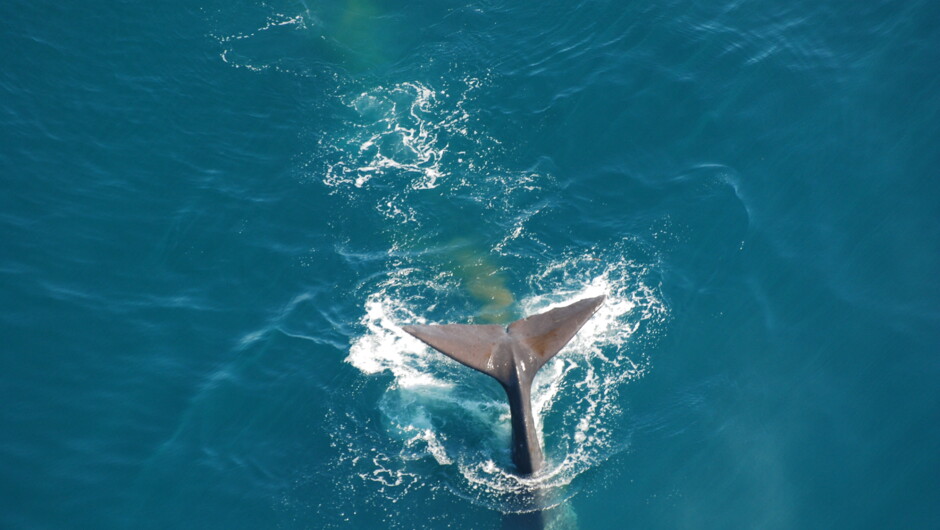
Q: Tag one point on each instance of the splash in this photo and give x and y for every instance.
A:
(438, 413)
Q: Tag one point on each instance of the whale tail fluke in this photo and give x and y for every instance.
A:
(470, 345)
(512, 356)
(512, 353)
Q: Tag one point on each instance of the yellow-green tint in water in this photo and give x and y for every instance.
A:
(484, 281)
(359, 31)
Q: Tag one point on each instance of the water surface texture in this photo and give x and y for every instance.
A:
(216, 215)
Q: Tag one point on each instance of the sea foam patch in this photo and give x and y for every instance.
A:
(406, 131)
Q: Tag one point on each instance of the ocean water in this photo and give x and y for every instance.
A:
(216, 215)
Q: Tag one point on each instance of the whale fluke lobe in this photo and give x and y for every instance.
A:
(547, 333)
(512, 356)
(470, 345)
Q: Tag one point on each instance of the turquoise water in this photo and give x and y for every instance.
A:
(216, 216)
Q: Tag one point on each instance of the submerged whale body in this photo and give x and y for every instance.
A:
(513, 355)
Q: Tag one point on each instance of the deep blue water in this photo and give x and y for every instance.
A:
(216, 215)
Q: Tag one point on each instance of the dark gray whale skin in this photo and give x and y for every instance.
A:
(513, 355)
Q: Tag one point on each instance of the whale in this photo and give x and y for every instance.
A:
(512, 355)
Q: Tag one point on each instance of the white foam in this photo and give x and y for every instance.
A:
(402, 131)
(385, 347)
(276, 20)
